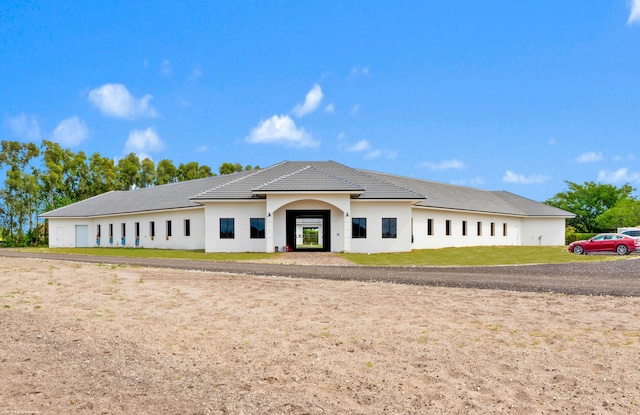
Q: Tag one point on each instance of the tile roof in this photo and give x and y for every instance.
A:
(298, 176)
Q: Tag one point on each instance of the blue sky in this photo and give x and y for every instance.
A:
(498, 95)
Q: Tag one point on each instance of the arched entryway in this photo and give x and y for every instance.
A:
(309, 230)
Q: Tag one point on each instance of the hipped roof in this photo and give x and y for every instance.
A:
(297, 177)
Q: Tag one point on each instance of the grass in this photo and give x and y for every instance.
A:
(470, 256)
(477, 256)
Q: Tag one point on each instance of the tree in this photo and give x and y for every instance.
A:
(625, 214)
(148, 173)
(128, 172)
(103, 176)
(19, 195)
(228, 168)
(166, 172)
(588, 201)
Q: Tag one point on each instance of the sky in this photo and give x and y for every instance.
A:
(498, 95)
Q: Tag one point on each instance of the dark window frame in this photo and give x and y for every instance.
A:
(359, 228)
(227, 228)
(257, 228)
(464, 228)
(187, 227)
(389, 228)
(168, 229)
(447, 227)
(152, 228)
(429, 227)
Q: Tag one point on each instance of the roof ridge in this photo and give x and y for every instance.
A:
(253, 173)
(368, 174)
(284, 176)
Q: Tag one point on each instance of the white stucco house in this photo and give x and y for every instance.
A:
(323, 206)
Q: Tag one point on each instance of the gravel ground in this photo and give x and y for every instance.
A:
(619, 277)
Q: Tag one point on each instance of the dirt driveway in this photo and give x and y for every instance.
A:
(619, 277)
(105, 338)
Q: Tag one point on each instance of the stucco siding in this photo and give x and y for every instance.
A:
(543, 232)
(241, 213)
(374, 212)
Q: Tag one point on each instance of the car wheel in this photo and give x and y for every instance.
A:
(578, 249)
(622, 250)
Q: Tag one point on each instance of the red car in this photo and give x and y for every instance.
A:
(606, 242)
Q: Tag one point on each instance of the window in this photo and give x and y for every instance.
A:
(447, 227)
(111, 230)
(168, 228)
(464, 228)
(124, 230)
(493, 229)
(98, 231)
(504, 229)
(227, 228)
(137, 229)
(389, 227)
(257, 228)
(430, 227)
(479, 228)
(152, 229)
(358, 227)
(187, 227)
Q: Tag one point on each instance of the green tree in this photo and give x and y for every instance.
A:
(20, 194)
(51, 177)
(103, 176)
(588, 201)
(625, 214)
(228, 168)
(128, 172)
(166, 172)
(148, 173)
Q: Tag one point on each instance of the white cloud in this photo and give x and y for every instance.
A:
(142, 142)
(354, 110)
(280, 129)
(311, 102)
(444, 165)
(618, 176)
(115, 100)
(330, 109)
(359, 70)
(166, 69)
(196, 73)
(511, 177)
(364, 146)
(202, 149)
(589, 157)
(634, 15)
(24, 126)
(70, 132)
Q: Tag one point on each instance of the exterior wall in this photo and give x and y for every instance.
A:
(520, 231)
(543, 232)
(241, 212)
(374, 211)
(62, 231)
(278, 204)
(456, 238)
(411, 227)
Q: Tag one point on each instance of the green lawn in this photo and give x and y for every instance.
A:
(480, 255)
(490, 255)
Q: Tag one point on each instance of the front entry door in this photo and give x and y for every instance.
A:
(309, 230)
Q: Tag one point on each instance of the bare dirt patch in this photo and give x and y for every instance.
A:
(110, 339)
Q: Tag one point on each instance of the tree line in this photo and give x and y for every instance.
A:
(43, 177)
(598, 207)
